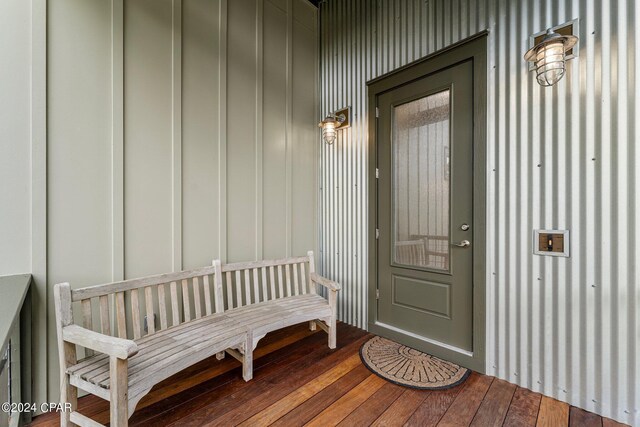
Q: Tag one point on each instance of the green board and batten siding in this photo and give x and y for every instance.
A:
(176, 132)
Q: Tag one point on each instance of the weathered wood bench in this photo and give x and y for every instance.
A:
(147, 329)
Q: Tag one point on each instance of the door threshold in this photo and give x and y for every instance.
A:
(433, 347)
(429, 340)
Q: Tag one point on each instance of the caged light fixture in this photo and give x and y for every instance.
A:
(549, 56)
(339, 119)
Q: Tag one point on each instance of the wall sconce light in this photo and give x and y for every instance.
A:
(549, 53)
(339, 119)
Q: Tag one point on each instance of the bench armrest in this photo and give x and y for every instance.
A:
(112, 346)
(329, 284)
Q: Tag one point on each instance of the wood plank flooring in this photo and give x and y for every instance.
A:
(299, 381)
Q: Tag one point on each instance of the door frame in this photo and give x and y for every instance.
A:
(473, 48)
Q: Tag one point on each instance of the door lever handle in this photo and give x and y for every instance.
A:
(463, 244)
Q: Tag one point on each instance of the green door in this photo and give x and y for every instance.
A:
(425, 208)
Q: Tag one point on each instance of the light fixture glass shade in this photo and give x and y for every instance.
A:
(329, 125)
(549, 57)
(329, 132)
(550, 63)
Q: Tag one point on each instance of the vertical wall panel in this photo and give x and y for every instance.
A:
(241, 130)
(117, 139)
(78, 150)
(176, 135)
(303, 147)
(274, 128)
(148, 156)
(200, 127)
(241, 102)
(561, 157)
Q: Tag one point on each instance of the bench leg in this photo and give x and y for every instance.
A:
(333, 303)
(332, 333)
(312, 325)
(220, 355)
(119, 392)
(247, 359)
(68, 394)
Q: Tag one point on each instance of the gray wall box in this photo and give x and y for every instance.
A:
(551, 242)
(562, 157)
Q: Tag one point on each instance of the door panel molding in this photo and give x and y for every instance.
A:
(443, 288)
(473, 49)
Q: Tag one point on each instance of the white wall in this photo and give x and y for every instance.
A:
(177, 131)
(22, 159)
(15, 155)
(565, 157)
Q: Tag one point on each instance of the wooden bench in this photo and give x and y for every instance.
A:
(138, 332)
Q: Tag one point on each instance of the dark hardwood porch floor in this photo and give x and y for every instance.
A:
(298, 381)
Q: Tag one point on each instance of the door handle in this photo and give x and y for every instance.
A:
(463, 244)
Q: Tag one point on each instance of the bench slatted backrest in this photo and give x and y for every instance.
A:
(246, 283)
(119, 309)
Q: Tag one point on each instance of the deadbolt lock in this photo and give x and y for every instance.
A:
(465, 227)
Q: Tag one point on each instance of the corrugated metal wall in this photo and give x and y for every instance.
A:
(562, 157)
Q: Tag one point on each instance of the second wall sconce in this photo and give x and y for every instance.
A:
(339, 119)
(550, 52)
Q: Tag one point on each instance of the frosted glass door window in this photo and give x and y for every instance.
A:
(421, 147)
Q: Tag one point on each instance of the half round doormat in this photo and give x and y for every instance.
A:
(409, 367)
